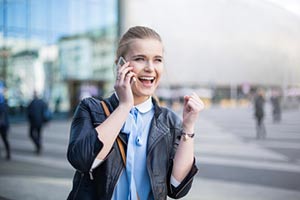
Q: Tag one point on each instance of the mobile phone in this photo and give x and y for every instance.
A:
(121, 61)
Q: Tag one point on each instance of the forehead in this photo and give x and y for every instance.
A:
(151, 47)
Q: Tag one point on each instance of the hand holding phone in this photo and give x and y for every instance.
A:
(120, 63)
(123, 86)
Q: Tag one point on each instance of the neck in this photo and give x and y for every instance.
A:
(139, 100)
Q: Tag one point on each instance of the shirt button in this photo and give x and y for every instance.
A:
(139, 141)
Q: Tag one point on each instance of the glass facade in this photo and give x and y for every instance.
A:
(63, 49)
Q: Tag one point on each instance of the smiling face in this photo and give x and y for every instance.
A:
(146, 58)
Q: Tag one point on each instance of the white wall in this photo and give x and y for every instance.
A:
(223, 41)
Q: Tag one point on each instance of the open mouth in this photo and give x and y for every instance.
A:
(146, 80)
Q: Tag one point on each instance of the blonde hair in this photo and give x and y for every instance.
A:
(136, 32)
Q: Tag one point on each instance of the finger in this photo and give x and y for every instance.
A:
(195, 96)
(195, 103)
(120, 71)
(121, 68)
(133, 79)
(118, 77)
(130, 77)
(123, 72)
(186, 99)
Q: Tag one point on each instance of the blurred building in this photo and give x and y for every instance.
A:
(221, 49)
(86, 63)
(62, 49)
(24, 75)
(229, 47)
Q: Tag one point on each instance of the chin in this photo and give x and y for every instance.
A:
(145, 93)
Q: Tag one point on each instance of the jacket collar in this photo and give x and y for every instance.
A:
(113, 100)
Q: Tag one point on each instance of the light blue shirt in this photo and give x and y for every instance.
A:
(137, 138)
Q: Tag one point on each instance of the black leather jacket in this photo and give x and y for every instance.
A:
(84, 146)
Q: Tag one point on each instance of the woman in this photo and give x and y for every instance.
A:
(159, 162)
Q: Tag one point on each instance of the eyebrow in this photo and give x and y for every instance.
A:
(138, 55)
(141, 55)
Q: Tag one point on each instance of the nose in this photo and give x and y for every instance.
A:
(150, 65)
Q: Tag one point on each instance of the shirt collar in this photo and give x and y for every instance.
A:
(143, 107)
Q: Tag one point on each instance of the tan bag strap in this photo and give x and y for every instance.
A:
(120, 145)
(105, 108)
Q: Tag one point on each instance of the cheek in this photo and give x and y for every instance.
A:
(136, 68)
(159, 71)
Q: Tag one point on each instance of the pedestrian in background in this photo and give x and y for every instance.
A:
(159, 145)
(57, 104)
(36, 111)
(259, 112)
(4, 122)
(276, 106)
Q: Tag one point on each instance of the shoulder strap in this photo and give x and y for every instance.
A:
(105, 108)
(120, 145)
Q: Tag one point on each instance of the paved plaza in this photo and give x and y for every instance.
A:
(233, 165)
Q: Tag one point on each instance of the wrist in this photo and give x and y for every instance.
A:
(188, 129)
(186, 136)
(125, 106)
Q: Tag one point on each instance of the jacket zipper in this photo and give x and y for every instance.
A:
(183, 187)
(91, 174)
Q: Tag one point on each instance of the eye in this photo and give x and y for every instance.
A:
(158, 60)
(139, 59)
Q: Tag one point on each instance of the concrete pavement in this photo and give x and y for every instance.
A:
(232, 163)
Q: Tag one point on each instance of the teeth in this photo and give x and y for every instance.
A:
(147, 78)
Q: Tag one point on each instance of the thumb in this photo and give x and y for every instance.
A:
(186, 99)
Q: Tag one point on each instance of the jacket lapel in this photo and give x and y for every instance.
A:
(157, 129)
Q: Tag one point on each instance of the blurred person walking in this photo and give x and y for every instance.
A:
(57, 104)
(259, 112)
(276, 106)
(36, 111)
(141, 150)
(4, 122)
